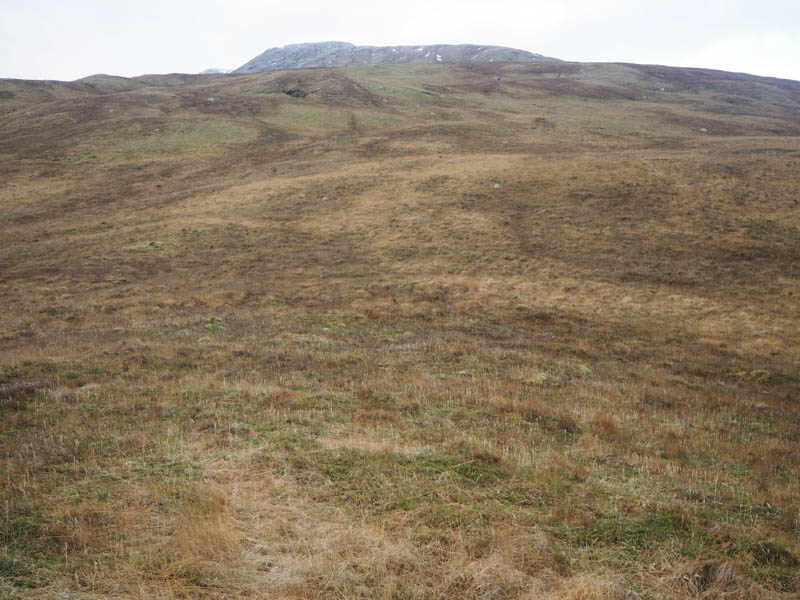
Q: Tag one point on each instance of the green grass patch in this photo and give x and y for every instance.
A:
(26, 550)
(772, 554)
(384, 481)
(622, 531)
(179, 138)
(307, 117)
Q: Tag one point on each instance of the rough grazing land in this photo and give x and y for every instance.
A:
(415, 331)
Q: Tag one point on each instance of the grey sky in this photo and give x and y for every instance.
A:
(56, 39)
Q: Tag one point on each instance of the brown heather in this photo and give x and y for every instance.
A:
(522, 331)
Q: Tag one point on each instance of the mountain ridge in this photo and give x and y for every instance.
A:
(345, 54)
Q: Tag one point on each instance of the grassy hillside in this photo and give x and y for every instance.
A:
(419, 331)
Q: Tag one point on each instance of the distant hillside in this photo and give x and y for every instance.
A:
(343, 54)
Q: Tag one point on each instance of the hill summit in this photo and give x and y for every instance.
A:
(344, 54)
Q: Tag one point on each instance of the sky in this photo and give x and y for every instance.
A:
(67, 40)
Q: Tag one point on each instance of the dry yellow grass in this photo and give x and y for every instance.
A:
(529, 334)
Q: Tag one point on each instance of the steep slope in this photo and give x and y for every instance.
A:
(343, 54)
(470, 330)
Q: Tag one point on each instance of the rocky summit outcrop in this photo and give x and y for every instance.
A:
(343, 54)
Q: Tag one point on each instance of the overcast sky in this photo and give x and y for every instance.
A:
(61, 39)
